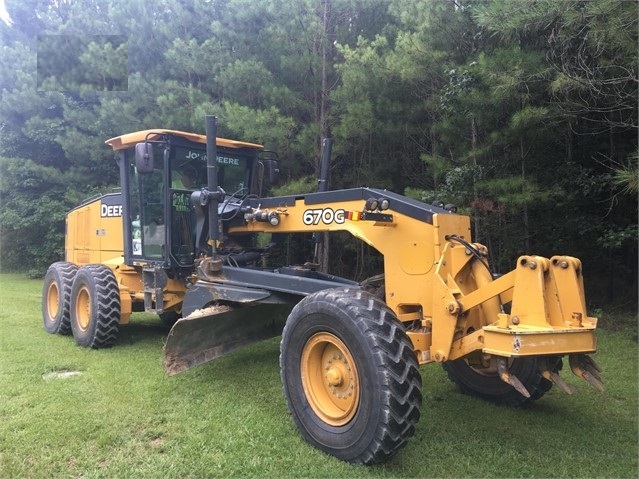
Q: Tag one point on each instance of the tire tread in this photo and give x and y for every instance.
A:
(106, 294)
(66, 272)
(396, 359)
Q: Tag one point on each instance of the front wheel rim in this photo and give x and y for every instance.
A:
(330, 379)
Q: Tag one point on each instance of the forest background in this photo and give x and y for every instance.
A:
(522, 113)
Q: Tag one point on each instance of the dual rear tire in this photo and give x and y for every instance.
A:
(84, 301)
(56, 297)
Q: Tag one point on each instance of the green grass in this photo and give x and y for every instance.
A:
(123, 417)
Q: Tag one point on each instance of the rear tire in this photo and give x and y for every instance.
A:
(350, 375)
(95, 307)
(487, 385)
(56, 297)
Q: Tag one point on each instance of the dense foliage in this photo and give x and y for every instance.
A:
(524, 114)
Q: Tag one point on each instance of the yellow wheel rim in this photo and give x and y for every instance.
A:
(330, 379)
(53, 301)
(83, 308)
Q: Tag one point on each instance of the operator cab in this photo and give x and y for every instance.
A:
(159, 171)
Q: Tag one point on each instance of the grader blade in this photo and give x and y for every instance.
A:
(211, 332)
(586, 368)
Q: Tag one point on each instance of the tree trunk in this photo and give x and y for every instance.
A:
(473, 139)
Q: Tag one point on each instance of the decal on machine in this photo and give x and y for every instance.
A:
(110, 211)
(516, 344)
(224, 160)
(323, 215)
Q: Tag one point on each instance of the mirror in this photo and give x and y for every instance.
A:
(144, 157)
(271, 171)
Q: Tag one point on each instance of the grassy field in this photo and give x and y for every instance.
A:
(119, 415)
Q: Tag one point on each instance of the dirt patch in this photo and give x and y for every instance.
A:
(157, 442)
(60, 375)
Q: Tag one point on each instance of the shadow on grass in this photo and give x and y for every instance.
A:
(147, 329)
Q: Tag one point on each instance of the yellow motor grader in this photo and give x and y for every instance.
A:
(180, 240)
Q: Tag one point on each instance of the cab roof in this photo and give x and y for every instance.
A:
(128, 140)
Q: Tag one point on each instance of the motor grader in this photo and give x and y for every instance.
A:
(188, 250)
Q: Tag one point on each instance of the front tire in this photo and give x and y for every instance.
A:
(56, 297)
(350, 375)
(95, 307)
